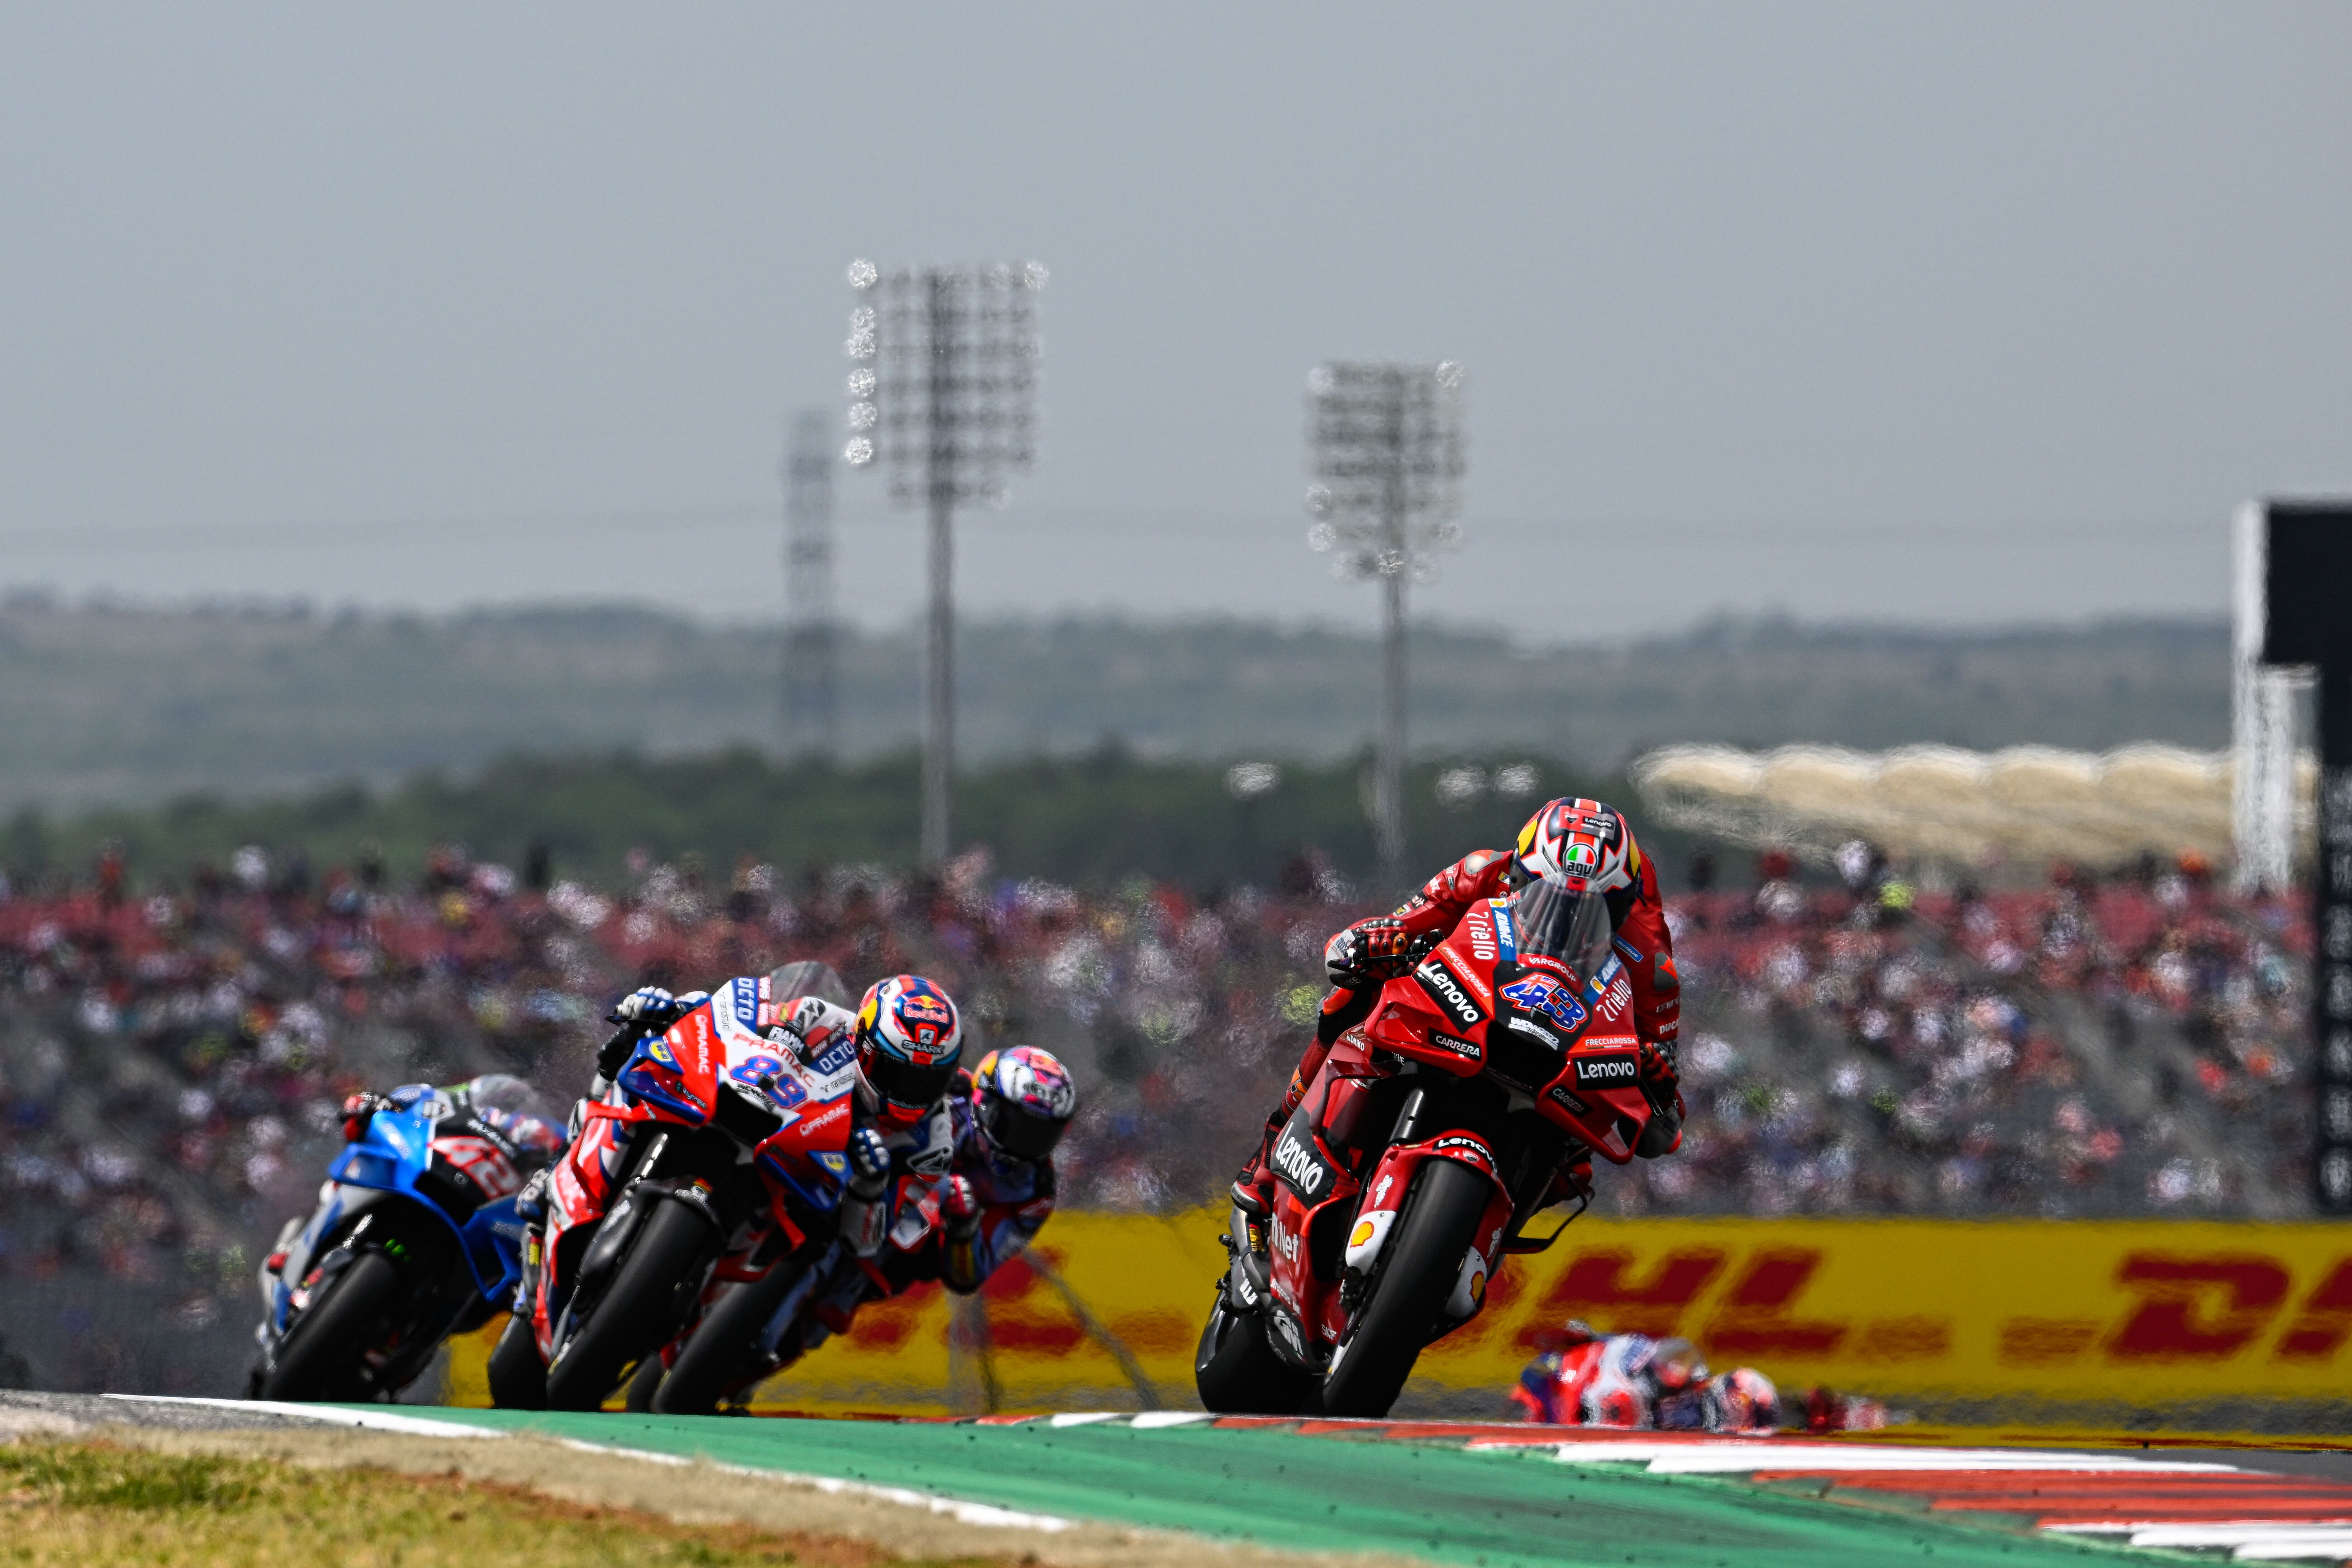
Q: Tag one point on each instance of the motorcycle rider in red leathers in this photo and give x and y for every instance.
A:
(1582, 839)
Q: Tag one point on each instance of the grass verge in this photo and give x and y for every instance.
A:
(96, 1505)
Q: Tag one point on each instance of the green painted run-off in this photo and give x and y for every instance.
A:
(1503, 1509)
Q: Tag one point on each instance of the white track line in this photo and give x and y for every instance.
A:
(2214, 1533)
(1736, 1458)
(2286, 1549)
(962, 1509)
(376, 1420)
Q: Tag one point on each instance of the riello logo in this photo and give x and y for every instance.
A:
(1294, 1160)
(1481, 931)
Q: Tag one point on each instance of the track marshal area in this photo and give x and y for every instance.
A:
(1081, 1488)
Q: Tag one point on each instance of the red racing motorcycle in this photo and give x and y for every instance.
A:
(724, 1139)
(1427, 1142)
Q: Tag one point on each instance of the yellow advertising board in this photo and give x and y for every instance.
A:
(2145, 1312)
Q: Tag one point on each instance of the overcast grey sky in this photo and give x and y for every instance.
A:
(1967, 312)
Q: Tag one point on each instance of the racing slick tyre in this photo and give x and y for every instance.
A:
(635, 1312)
(725, 1346)
(320, 1356)
(1424, 1258)
(644, 1383)
(518, 1377)
(1239, 1373)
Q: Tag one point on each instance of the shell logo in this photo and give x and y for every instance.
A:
(1361, 1234)
(1478, 1288)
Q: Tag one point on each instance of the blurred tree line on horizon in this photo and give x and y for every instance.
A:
(1090, 820)
(110, 704)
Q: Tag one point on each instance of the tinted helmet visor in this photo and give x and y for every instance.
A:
(1015, 1131)
(906, 1086)
(1567, 922)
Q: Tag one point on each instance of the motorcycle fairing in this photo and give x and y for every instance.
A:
(1569, 1047)
(397, 1155)
(1392, 1179)
(715, 1064)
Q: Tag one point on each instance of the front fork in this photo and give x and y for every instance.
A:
(1250, 1275)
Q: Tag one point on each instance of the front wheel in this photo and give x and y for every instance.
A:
(320, 1356)
(518, 1377)
(1424, 1259)
(635, 1312)
(1239, 1373)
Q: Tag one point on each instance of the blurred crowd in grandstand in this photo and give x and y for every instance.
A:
(171, 1057)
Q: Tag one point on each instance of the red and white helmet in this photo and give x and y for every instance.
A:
(1584, 842)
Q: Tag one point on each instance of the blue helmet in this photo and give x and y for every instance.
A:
(909, 1039)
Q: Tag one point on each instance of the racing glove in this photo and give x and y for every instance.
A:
(1657, 1073)
(869, 1163)
(1663, 1086)
(1379, 948)
(358, 1112)
(865, 1218)
(647, 1010)
(649, 1005)
(959, 1205)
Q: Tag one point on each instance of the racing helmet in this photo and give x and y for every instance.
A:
(909, 1039)
(1022, 1098)
(1742, 1400)
(1676, 1366)
(1583, 841)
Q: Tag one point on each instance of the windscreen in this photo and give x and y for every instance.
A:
(1569, 925)
(807, 977)
(501, 1091)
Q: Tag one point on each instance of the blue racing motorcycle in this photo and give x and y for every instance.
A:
(415, 1238)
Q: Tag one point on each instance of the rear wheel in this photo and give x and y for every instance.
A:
(320, 1356)
(637, 1309)
(518, 1377)
(1424, 1259)
(725, 1348)
(1239, 1373)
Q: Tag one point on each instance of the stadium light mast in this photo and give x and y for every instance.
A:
(943, 395)
(1388, 462)
(811, 710)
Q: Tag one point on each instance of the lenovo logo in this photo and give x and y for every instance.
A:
(1446, 989)
(1605, 1071)
(1297, 1162)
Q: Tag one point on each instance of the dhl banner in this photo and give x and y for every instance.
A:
(2041, 1311)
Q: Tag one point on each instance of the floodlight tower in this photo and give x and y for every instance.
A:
(944, 396)
(1388, 463)
(811, 712)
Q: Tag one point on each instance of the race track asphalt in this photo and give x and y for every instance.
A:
(1438, 1500)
